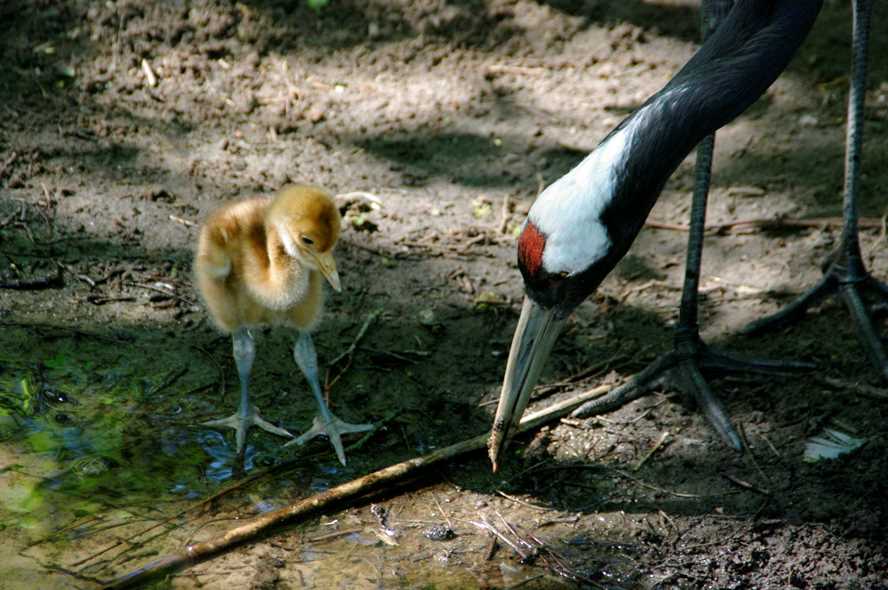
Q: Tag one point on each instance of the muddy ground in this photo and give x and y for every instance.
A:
(454, 114)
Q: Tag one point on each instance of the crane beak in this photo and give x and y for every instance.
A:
(534, 336)
(327, 265)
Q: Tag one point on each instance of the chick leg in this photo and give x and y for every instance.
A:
(246, 416)
(325, 423)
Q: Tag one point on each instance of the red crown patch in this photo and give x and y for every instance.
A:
(530, 248)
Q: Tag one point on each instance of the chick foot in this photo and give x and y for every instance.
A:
(241, 423)
(325, 422)
(333, 429)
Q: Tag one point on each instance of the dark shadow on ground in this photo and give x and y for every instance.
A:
(42, 49)
(427, 378)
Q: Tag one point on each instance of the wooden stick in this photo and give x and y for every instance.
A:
(651, 452)
(197, 552)
(858, 388)
(504, 215)
(868, 222)
(371, 317)
(55, 281)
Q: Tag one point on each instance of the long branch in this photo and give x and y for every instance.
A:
(200, 551)
(775, 223)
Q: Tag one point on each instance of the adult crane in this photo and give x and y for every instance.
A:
(583, 224)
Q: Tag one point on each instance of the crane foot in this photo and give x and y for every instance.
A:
(852, 287)
(683, 369)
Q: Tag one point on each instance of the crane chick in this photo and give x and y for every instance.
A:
(262, 262)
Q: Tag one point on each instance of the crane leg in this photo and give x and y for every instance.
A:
(684, 366)
(325, 423)
(244, 350)
(845, 274)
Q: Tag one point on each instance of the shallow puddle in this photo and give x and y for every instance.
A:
(102, 472)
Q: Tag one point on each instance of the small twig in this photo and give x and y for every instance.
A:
(491, 548)
(171, 378)
(745, 484)
(370, 197)
(486, 526)
(815, 222)
(858, 388)
(652, 487)
(535, 549)
(771, 446)
(48, 198)
(517, 70)
(666, 517)
(333, 535)
(5, 165)
(373, 249)
(101, 300)
(749, 452)
(522, 502)
(466, 247)
(150, 78)
(654, 224)
(55, 281)
(650, 453)
(504, 222)
(514, 533)
(185, 222)
(168, 292)
(348, 352)
(92, 284)
(573, 422)
(441, 510)
(646, 412)
(67, 572)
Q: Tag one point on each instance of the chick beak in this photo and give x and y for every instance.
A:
(534, 336)
(327, 266)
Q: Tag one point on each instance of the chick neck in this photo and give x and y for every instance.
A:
(287, 275)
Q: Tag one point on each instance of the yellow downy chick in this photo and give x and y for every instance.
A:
(262, 262)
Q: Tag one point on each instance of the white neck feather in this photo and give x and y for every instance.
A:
(286, 240)
(569, 211)
(287, 284)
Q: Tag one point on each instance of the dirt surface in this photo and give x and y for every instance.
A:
(454, 114)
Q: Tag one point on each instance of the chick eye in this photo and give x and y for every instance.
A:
(307, 241)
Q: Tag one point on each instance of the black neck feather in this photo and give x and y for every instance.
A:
(731, 70)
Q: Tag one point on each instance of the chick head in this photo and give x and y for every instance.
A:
(308, 223)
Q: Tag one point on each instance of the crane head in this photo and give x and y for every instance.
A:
(564, 252)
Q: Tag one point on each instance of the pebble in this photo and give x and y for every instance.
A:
(439, 532)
